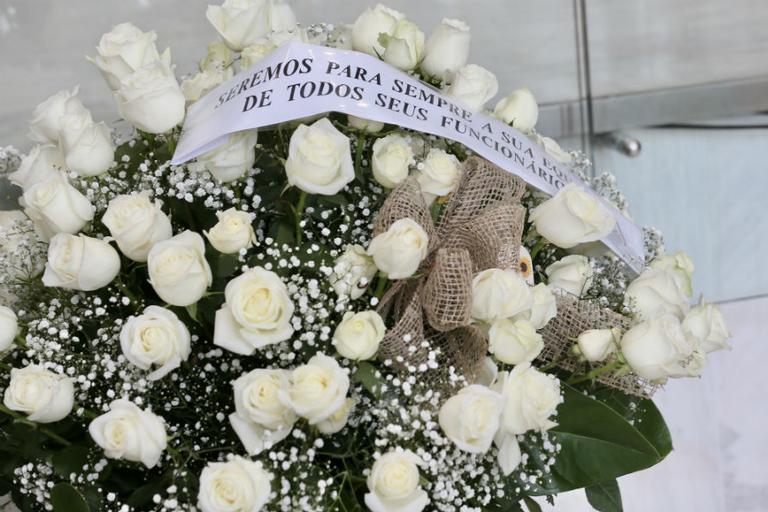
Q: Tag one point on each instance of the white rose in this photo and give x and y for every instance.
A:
(394, 484)
(572, 217)
(498, 294)
(438, 174)
(298, 34)
(694, 365)
(471, 418)
(127, 432)
(447, 49)
(318, 389)
(55, 206)
(232, 232)
(46, 119)
(530, 399)
(656, 292)
(473, 86)
(87, 146)
(572, 274)
(399, 251)
(319, 159)
(79, 262)
(552, 148)
(239, 484)
(488, 373)
(257, 312)
(125, 49)
(509, 456)
(151, 99)
(242, 23)
(597, 344)
(352, 272)
(365, 125)
(373, 22)
(44, 396)
(231, 160)
(519, 109)
(338, 420)
(261, 419)
(655, 348)
(392, 158)
(543, 309)
(404, 47)
(155, 338)
(706, 325)
(206, 80)
(42, 162)
(178, 270)
(251, 55)
(9, 326)
(219, 56)
(514, 341)
(136, 224)
(359, 334)
(681, 267)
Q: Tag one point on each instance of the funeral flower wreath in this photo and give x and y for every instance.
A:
(331, 313)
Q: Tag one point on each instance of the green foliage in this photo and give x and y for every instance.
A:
(600, 443)
(66, 498)
(605, 497)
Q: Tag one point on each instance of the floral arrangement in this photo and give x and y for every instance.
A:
(329, 314)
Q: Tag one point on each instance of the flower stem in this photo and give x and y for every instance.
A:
(537, 248)
(299, 213)
(381, 285)
(20, 341)
(597, 372)
(550, 365)
(359, 154)
(22, 419)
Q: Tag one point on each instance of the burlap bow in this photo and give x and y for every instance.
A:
(480, 228)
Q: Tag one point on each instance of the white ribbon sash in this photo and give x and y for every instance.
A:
(301, 80)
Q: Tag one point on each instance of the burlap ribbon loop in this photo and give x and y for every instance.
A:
(574, 316)
(480, 228)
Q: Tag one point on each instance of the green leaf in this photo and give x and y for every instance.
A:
(143, 495)
(605, 497)
(599, 444)
(70, 460)
(225, 265)
(192, 311)
(642, 413)
(66, 498)
(531, 504)
(366, 375)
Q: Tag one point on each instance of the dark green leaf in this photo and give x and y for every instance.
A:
(366, 375)
(598, 444)
(6, 486)
(192, 311)
(225, 265)
(605, 497)
(66, 498)
(531, 504)
(143, 495)
(642, 413)
(70, 460)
